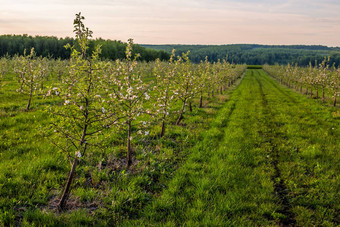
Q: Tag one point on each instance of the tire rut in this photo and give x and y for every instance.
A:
(271, 135)
(284, 93)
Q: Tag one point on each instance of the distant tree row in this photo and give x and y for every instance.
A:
(324, 77)
(53, 47)
(253, 54)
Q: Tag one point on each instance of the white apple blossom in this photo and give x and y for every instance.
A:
(147, 97)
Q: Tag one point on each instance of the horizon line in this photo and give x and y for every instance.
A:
(173, 44)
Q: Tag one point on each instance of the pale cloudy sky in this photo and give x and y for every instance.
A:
(180, 22)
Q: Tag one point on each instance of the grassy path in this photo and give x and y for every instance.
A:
(271, 158)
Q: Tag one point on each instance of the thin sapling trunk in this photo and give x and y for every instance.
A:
(181, 113)
(128, 152)
(62, 203)
(201, 99)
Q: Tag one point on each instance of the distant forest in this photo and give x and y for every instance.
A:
(54, 47)
(253, 54)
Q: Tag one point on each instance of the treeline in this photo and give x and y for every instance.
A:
(53, 47)
(253, 54)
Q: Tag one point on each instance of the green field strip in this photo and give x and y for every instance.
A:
(276, 164)
(226, 181)
(307, 140)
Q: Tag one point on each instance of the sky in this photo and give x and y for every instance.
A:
(274, 22)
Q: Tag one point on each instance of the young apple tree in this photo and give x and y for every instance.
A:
(29, 69)
(128, 97)
(323, 76)
(83, 114)
(60, 68)
(4, 62)
(186, 84)
(334, 84)
(204, 73)
(164, 87)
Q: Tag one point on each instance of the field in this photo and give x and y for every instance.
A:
(91, 141)
(259, 154)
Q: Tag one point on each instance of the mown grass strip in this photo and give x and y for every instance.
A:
(227, 179)
(270, 159)
(307, 140)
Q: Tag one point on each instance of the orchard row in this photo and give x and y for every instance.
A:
(93, 96)
(322, 76)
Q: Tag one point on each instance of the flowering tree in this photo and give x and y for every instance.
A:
(219, 76)
(186, 84)
(164, 88)
(83, 114)
(313, 76)
(213, 78)
(310, 78)
(227, 75)
(300, 78)
(128, 95)
(237, 71)
(294, 76)
(3, 68)
(60, 68)
(323, 76)
(334, 83)
(204, 72)
(29, 71)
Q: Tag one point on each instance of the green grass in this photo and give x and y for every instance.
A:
(254, 66)
(33, 171)
(261, 155)
(271, 158)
